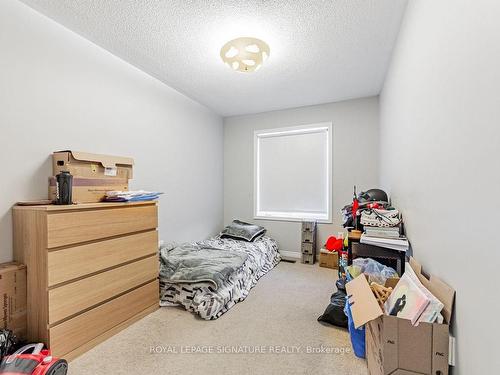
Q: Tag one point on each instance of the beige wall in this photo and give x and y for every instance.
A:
(60, 91)
(355, 160)
(440, 149)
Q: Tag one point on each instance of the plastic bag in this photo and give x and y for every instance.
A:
(334, 313)
(357, 335)
(375, 271)
(340, 284)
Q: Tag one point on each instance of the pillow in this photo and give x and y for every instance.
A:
(240, 230)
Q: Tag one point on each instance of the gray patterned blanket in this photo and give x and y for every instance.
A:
(210, 303)
(189, 263)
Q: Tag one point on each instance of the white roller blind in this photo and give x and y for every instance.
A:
(293, 173)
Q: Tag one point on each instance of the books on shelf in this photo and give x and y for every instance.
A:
(387, 232)
(399, 244)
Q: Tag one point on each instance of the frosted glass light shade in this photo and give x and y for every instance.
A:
(245, 54)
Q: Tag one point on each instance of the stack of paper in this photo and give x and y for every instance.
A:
(399, 244)
(387, 232)
(407, 301)
(131, 196)
(433, 310)
(412, 300)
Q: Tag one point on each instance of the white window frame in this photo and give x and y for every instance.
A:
(298, 216)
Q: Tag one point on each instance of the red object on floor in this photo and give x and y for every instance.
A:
(334, 244)
(33, 359)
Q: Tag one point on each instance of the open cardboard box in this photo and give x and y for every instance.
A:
(93, 174)
(393, 345)
(85, 164)
(328, 259)
(89, 190)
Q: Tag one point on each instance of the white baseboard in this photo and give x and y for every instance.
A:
(290, 254)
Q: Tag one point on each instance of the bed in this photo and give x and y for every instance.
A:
(211, 300)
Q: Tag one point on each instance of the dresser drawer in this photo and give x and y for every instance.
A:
(72, 298)
(66, 228)
(307, 248)
(81, 260)
(75, 332)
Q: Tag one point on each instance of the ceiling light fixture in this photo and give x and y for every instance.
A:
(245, 54)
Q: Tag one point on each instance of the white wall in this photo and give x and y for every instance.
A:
(60, 91)
(355, 160)
(440, 149)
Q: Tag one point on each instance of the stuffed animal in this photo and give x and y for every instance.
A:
(334, 244)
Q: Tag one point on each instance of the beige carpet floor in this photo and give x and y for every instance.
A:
(276, 325)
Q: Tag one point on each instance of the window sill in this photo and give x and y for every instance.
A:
(292, 219)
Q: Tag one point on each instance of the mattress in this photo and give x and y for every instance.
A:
(204, 299)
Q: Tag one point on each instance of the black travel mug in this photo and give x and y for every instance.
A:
(64, 187)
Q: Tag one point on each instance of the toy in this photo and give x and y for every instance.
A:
(334, 244)
(33, 359)
(343, 263)
(381, 293)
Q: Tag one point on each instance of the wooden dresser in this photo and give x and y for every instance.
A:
(92, 270)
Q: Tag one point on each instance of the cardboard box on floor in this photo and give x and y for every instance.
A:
(89, 190)
(85, 164)
(328, 259)
(13, 291)
(393, 345)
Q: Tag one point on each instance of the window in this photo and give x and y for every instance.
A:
(293, 173)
